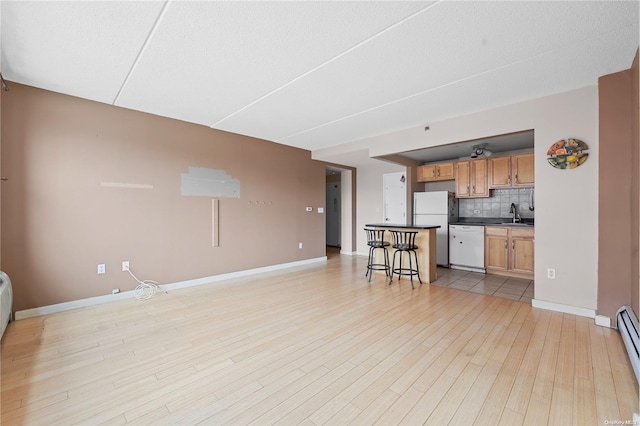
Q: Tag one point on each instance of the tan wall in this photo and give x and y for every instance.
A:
(615, 205)
(58, 223)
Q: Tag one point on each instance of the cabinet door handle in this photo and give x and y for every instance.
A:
(513, 245)
(433, 173)
(438, 173)
(509, 180)
(516, 179)
(474, 189)
(505, 244)
(468, 189)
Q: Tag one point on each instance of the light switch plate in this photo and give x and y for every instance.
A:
(320, 209)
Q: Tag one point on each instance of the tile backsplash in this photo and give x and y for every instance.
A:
(498, 204)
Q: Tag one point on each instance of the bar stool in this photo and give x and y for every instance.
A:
(375, 240)
(404, 242)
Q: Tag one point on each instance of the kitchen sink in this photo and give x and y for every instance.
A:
(516, 224)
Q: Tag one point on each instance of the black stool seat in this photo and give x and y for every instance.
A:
(405, 242)
(375, 240)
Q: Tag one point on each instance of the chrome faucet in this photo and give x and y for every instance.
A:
(514, 212)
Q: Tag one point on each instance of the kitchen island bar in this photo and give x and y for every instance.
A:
(425, 240)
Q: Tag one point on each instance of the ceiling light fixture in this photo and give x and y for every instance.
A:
(479, 150)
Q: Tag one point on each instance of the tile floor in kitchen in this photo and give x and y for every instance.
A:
(495, 285)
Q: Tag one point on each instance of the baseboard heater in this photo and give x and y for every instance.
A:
(628, 328)
(6, 301)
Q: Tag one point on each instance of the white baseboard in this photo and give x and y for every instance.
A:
(348, 253)
(74, 304)
(603, 321)
(238, 274)
(98, 300)
(567, 309)
(362, 253)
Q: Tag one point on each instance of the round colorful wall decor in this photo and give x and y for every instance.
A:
(568, 154)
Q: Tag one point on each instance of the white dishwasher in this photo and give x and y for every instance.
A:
(466, 247)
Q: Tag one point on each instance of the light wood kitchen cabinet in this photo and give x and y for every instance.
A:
(522, 167)
(500, 172)
(511, 171)
(435, 172)
(509, 251)
(471, 178)
(496, 242)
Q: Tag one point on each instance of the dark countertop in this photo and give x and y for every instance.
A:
(488, 221)
(398, 225)
(500, 225)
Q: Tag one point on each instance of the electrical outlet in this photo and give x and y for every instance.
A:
(309, 209)
(115, 291)
(102, 269)
(299, 245)
(551, 273)
(125, 265)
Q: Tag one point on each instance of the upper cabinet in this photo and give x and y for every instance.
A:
(511, 171)
(523, 169)
(500, 172)
(435, 172)
(471, 178)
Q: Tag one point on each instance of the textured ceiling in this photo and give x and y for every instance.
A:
(319, 73)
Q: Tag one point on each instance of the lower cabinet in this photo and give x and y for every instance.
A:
(509, 251)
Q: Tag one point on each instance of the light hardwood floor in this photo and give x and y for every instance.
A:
(315, 345)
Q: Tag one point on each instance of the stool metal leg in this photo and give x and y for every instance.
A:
(393, 264)
(410, 270)
(372, 256)
(369, 262)
(386, 261)
(417, 267)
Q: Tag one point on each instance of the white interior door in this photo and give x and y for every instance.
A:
(395, 198)
(333, 212)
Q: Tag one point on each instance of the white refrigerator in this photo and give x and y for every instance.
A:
(437, 208)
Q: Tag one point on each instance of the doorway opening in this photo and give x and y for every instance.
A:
(340, 209)
(333, 208)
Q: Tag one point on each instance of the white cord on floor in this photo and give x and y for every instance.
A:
(146, 289)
